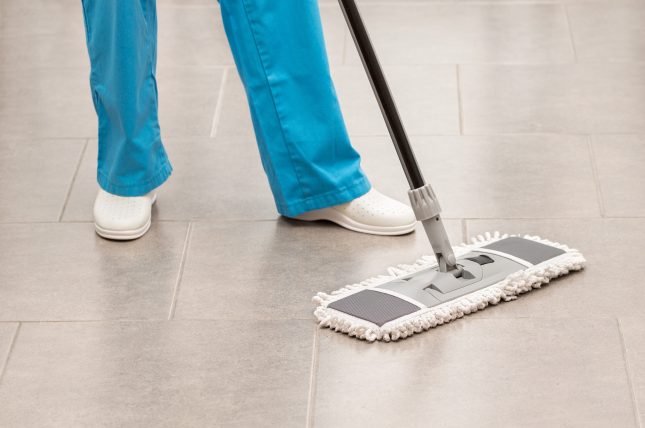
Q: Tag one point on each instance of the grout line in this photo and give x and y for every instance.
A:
(628, 371)
(182, 263)
(277, 319)
(539, 218)
(610, 217)
(464, 231)
(570, 29)
(459, 100)
(232, 220)
(596, 177)
(197, 220)
(12, 344)
(73, 180)
(150, 320)
(313, 375)
(217, 114)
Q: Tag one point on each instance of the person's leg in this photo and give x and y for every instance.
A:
(280, 55)
(121, 41)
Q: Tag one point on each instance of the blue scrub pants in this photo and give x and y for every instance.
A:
(280, 55)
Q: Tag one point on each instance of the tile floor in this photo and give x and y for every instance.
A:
(529, 117)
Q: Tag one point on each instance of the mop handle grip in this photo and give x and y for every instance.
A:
(383, 94)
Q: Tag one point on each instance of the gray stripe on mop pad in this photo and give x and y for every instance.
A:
(374, 306)
(525, 249)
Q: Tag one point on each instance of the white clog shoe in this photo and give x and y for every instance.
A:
(372, 213)
(122, 218)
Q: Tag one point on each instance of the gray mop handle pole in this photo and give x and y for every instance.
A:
(383, 94)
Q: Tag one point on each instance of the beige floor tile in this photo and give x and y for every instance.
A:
(56, 102)
(271, 270)
(496, 176)
(54, 271)
(187, 36)
(335, 32)
(149, 374)
(216, 179)
(187, 100)
(608, 32)
(426, 97)
(192, 36)
(478, 372)
(632, 328)
(195, 35)
(52, 17)
(381, 165)
(620, 160)
(36, 177)
(580, 98)
(83, 191)
(42, 33)
(44, 50)
(462, 33)
(606, 288)
(46, 103)
(234, 115)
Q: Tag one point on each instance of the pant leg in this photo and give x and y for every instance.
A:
(280, 55)
(121, 41)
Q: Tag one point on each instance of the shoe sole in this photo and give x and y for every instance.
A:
(348, 223)
(125, 235)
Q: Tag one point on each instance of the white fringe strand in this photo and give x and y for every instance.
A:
(427, 318)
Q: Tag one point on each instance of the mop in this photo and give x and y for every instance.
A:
(455, 281)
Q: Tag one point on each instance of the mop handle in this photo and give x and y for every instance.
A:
(383, 94)
(422, 198)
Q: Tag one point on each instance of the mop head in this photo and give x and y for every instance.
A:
(400, 316)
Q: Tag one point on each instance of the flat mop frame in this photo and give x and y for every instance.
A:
(422, 198)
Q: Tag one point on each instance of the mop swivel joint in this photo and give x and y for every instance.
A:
(424, 203)
(427, 210)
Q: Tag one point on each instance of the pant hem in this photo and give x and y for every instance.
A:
(139, 189)
(340, 196)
